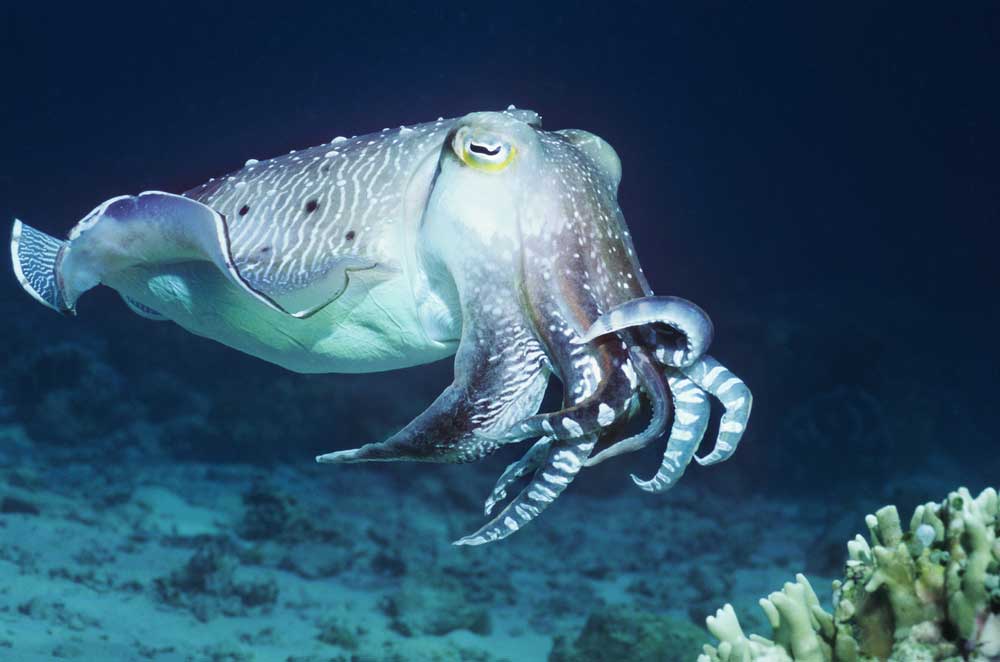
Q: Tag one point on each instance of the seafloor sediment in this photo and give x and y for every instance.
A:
(158, 501)
(166, 561)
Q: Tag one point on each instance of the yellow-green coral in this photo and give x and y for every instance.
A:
(931, 593)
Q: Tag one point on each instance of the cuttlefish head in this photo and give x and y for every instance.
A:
(533, 204)
(485, 169)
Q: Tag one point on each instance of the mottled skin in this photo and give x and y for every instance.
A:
(350, 204)
(483, 236)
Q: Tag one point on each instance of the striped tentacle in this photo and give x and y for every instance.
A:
(692, 411)
(515, 470)
(652, 379)
(564, 460)
(592, 413)
(714, 378)
(690, 326)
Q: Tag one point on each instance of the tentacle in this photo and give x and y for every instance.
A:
(500, 377)
(654, 383)
(564, 460)
(529, 462)
(692, 412)
(711, 376)
(686, 319)
(595, 408)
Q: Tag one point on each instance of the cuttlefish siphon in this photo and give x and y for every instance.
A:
(483, 236)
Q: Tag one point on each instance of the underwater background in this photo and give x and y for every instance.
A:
(825, 182)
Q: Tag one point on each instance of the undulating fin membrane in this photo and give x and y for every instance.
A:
(142, 310)
(36, 257)
(124, 232)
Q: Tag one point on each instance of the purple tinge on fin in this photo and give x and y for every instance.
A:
(119, 234)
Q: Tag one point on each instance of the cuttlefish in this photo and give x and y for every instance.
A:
(483, 236)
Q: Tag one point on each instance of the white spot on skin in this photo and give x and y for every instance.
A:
(556, 479)
(681, 435)
(510, 523)
(250, 162)
(630, 374)
(569, 459)
(735, 404)
(686, 417)
(572, 427)
(546, 492)
(712, 375)
(690, 397)
(728, 384)
(538, 496)
(731, 426)
(605, 415)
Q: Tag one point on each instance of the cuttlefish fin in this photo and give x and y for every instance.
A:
(124, 232)
(36, 257)
(499, 379)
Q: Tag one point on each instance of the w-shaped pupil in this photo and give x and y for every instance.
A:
(483, 149)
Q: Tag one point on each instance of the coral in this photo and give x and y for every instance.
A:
(622, 633)
(930, 593)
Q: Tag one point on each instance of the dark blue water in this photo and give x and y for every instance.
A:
(824, 182)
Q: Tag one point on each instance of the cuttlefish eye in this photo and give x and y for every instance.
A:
(483, 151)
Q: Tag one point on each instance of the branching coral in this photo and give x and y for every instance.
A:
(930, 593)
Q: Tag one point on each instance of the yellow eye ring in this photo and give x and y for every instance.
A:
(488, 157)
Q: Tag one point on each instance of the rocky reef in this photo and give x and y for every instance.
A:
(928, 593)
